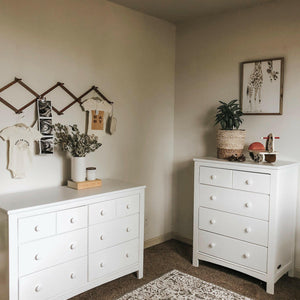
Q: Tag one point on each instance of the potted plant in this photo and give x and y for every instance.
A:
(230, 139)
(69, 139)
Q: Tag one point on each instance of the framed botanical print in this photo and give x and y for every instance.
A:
(262, 87)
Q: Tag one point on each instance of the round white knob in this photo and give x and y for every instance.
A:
(72, 220)
(37, 288)
(249, 181)
(101, 265)
(37, 228)
(128, 206)
(212, 245)
(128, 229)
(248, 204)
(248, 229)
(213, 177)
(212, 221)
(246, 255)
(101, 237)
(37, 257)
(127, 255)
(102, 212)
(73, 276)
(213, 197)
(72, 246)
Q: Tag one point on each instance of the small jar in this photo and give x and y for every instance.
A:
(91, 173)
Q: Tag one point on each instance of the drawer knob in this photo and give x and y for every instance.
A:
(37, 257)
(127, 255)
(128, 229)
(38, 288)
(248, 204)
(213, 177)
(248, 229)
(72, 246)
(213, 197)
(102, 212)
(249, 181)
(212, 245)
(128, 206)
(101, 265)
(72, 276)
(246, 255)
(37, 228)
(72, 220)
(212, 221)
(101, 237)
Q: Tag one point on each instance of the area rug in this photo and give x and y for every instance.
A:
(181, 286)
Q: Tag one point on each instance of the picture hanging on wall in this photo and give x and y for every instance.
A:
(262, 87)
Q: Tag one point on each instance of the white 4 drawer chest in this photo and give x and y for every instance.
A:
(57, 242)
(245, 216)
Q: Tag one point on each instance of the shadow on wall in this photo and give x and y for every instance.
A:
(209, 143)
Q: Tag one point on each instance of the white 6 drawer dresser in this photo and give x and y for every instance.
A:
(244, 216)
(57, 242)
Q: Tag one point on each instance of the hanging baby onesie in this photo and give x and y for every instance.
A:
(99, 111)
(21, 139)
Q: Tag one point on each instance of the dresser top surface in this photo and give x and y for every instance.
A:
(48, 197)
(280, 164)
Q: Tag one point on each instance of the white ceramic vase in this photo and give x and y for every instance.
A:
(78, 171)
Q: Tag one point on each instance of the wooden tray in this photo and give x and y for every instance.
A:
(84, 184)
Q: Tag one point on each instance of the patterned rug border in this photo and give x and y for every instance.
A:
(131, 295)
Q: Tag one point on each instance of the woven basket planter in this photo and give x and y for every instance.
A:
(230, 142)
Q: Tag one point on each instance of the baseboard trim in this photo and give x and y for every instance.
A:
(297, 272)
(158, 240)
(166, 237)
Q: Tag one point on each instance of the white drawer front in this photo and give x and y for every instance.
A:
(128, 205)
(53, 281)
(238, 202)
(101, 212)
(239, 227)
(33, 228)
(48, 252)
(215, 176)
(112, 233)
(232, 250)
(113, 259)
(254, 182)
(71, 219)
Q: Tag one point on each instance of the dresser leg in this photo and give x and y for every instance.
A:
(291, 272)
(140, 274)
(195, 262)
(270, 288)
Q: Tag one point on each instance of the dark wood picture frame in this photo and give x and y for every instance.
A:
(254, 84)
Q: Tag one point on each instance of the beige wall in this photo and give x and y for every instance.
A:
(130, 56)
(208, 53)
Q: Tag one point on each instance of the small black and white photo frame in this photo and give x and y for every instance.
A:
(261, 89)
(46, 145)
(44, 109)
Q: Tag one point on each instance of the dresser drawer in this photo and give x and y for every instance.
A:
(113, 259)
(53, 281)
(48, 252)
(71, 219)
(102, 211)
(238, 202)
(215, 176)
(112, 233)
(239, 227)
(235, 251)
(128, 205)
(36, 227)
(254, 182)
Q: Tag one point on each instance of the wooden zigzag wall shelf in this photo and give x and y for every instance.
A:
(38, 96)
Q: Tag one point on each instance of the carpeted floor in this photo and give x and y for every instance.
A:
(170, 255)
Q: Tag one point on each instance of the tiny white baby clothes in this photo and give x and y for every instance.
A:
(21, 139)
(99, 111)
